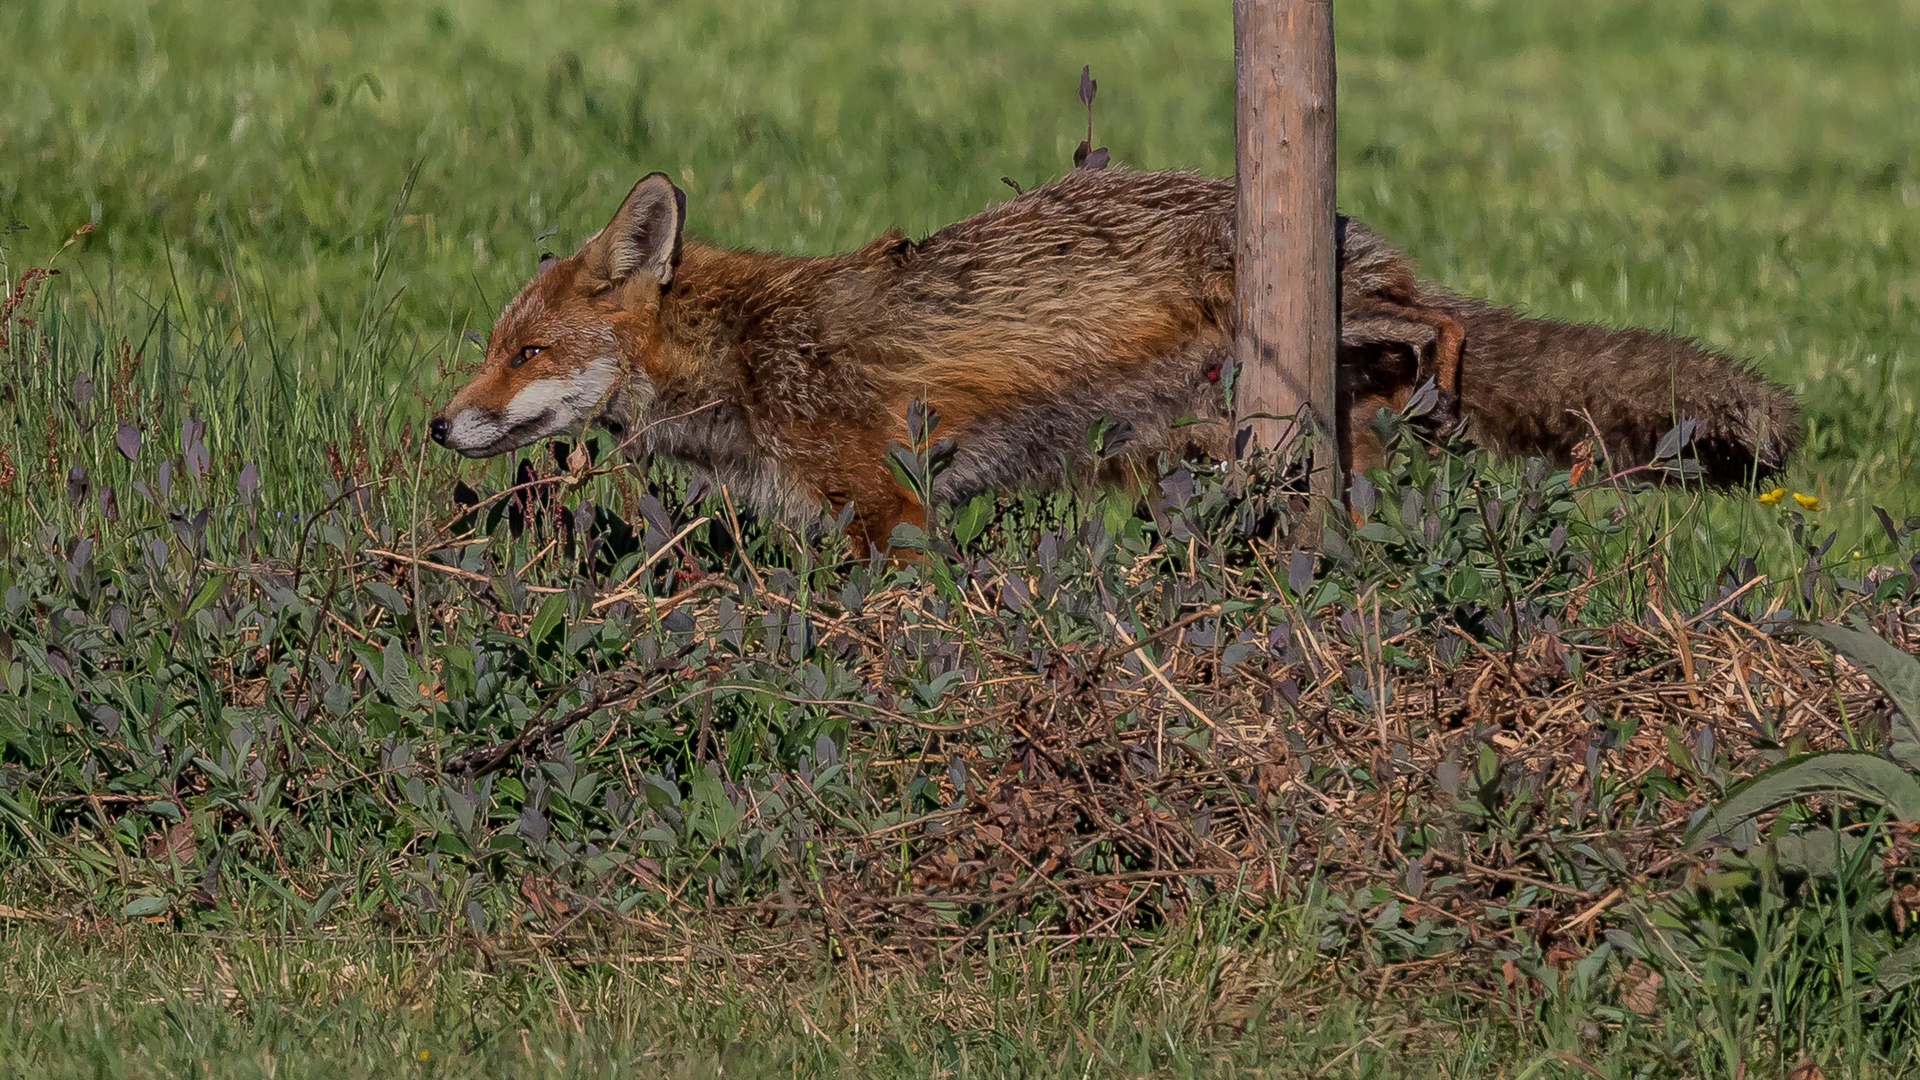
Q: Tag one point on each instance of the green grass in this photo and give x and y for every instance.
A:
(339, 1002)
(320, 1004)
(300, 207)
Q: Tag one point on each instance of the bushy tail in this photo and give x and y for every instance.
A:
(1539, 386)
(1745, 425)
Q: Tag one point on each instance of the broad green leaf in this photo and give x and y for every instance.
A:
(548, 617)
(1900, 968)
(338, 699)
(1836, 772)
(204, 596)
(971, 520)
(908, 536)
(1378, 531)
(1817, 852)
(396, 675)
(1895, 672)
(142, 906)
(388, 596)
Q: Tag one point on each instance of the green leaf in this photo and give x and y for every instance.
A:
(338, 698)
(908, 536)
(204, 597)
(388, 596)
(1836, 772)
(1378, 531)
(551, 612)
(1896, 673)
(1816, 853)
(1899, 969)
(142, 906)
(396, 675)
(325, 904)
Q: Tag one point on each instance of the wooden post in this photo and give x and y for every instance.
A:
(1284, 258)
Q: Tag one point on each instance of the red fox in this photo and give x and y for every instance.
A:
(1100, 296)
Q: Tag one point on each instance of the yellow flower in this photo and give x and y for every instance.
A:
(1771, 497)
(424, 1055)
(1807, 502)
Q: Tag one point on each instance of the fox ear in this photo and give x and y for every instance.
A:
(643, 237)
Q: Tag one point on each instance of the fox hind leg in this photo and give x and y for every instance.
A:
(1379, 321)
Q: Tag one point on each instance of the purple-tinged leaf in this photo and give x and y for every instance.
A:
(109, 505)
(1300, 571)
(77, 486)
(249, 482)
(1015, 595)
(533, 826)
(1886, 524)
(1097, 160)
(194, 446)
(82, 388)
(1087, 85)
(1288, 691)
(106, 716)
(189, 528)
(1362, 496)
(1674, 441)
(164, 481)
(474, 337)
(1177, 488)
(1423, 400)
(128, 440)
(119, 618)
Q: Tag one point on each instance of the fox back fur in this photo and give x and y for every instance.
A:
(1101, 296)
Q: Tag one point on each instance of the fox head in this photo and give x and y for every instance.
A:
(560, 353)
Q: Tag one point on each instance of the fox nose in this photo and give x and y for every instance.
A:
(437, 428)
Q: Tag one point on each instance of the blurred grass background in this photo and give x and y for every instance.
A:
(1743, 172)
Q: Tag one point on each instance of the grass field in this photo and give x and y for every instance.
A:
(293, 211)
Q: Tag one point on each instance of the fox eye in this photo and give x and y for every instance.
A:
(526, 354)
